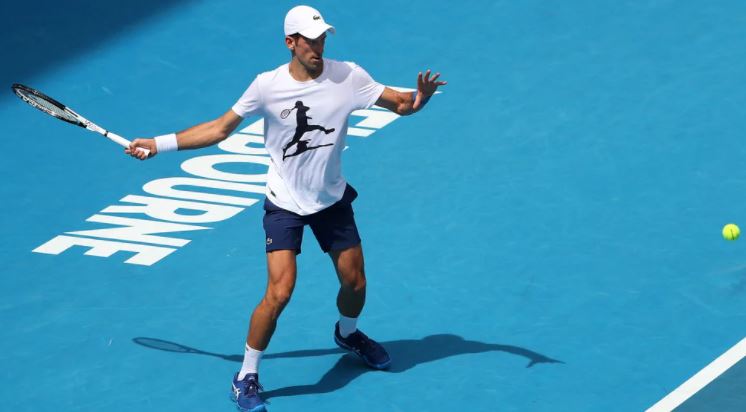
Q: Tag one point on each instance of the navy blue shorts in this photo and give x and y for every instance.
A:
(334, 227)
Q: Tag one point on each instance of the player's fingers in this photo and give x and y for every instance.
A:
(146, 153)
(144, 148)
(427, 76)
(133, 150)
(435, 77)
(133, 145)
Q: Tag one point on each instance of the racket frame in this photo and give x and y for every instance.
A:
(286, 112)
(79, 120)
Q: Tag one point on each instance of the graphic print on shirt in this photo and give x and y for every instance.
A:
(302, 127)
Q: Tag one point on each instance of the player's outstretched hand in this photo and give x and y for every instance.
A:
(426, 87)
(145, 144)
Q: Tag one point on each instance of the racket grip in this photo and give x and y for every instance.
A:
(124, 142)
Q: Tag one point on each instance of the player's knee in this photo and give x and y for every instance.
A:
(278, 297)
(354, 279)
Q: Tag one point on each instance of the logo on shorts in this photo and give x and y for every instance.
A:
(269, 241)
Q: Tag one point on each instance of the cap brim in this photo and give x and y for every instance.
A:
(316, 31)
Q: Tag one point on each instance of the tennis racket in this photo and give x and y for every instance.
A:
(58, 110)
(285, 113)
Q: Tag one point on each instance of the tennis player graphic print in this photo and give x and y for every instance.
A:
(302, 128)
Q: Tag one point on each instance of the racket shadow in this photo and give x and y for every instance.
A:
(405, 355)
(168, 346)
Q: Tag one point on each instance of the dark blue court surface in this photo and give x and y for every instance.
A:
(725, 394)
(544, 236)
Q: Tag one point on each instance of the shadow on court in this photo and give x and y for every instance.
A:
(37, 36)
(405, 355)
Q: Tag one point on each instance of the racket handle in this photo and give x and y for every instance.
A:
(124, 142)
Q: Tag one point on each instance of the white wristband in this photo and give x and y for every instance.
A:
(166, 143)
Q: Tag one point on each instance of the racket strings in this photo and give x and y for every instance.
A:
(285, 113)
(46, 106)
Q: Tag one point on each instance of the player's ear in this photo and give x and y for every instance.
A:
(290, 43)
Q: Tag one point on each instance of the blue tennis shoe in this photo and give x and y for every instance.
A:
(246, 393)
(370, 351)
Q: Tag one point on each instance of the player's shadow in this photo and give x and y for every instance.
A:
(405, 354)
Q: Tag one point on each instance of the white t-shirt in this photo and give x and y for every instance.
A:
(305, 174)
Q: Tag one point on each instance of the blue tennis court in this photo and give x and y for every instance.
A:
(544, 236)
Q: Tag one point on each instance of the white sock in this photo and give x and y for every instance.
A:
(251, 360)
(347, 325)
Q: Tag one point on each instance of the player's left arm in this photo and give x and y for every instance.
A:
(406, 103)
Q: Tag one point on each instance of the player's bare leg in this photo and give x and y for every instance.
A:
(281, 275)
(349, 265)
(350, 269)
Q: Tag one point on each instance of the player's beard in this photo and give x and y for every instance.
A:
(314, 66)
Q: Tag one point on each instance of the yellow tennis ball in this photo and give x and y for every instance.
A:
(731, 231)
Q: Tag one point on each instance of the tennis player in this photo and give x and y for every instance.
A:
(305, 104)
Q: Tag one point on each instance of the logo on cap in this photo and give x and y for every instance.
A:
(317, 17)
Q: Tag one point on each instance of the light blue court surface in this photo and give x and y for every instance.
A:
(545, 236)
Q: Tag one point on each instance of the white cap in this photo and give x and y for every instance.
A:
(306, 21)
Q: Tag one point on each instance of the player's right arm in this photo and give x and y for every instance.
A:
(201, 135)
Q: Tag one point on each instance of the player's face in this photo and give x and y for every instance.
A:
(309, 51)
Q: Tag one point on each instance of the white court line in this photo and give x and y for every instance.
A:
(701, 379)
